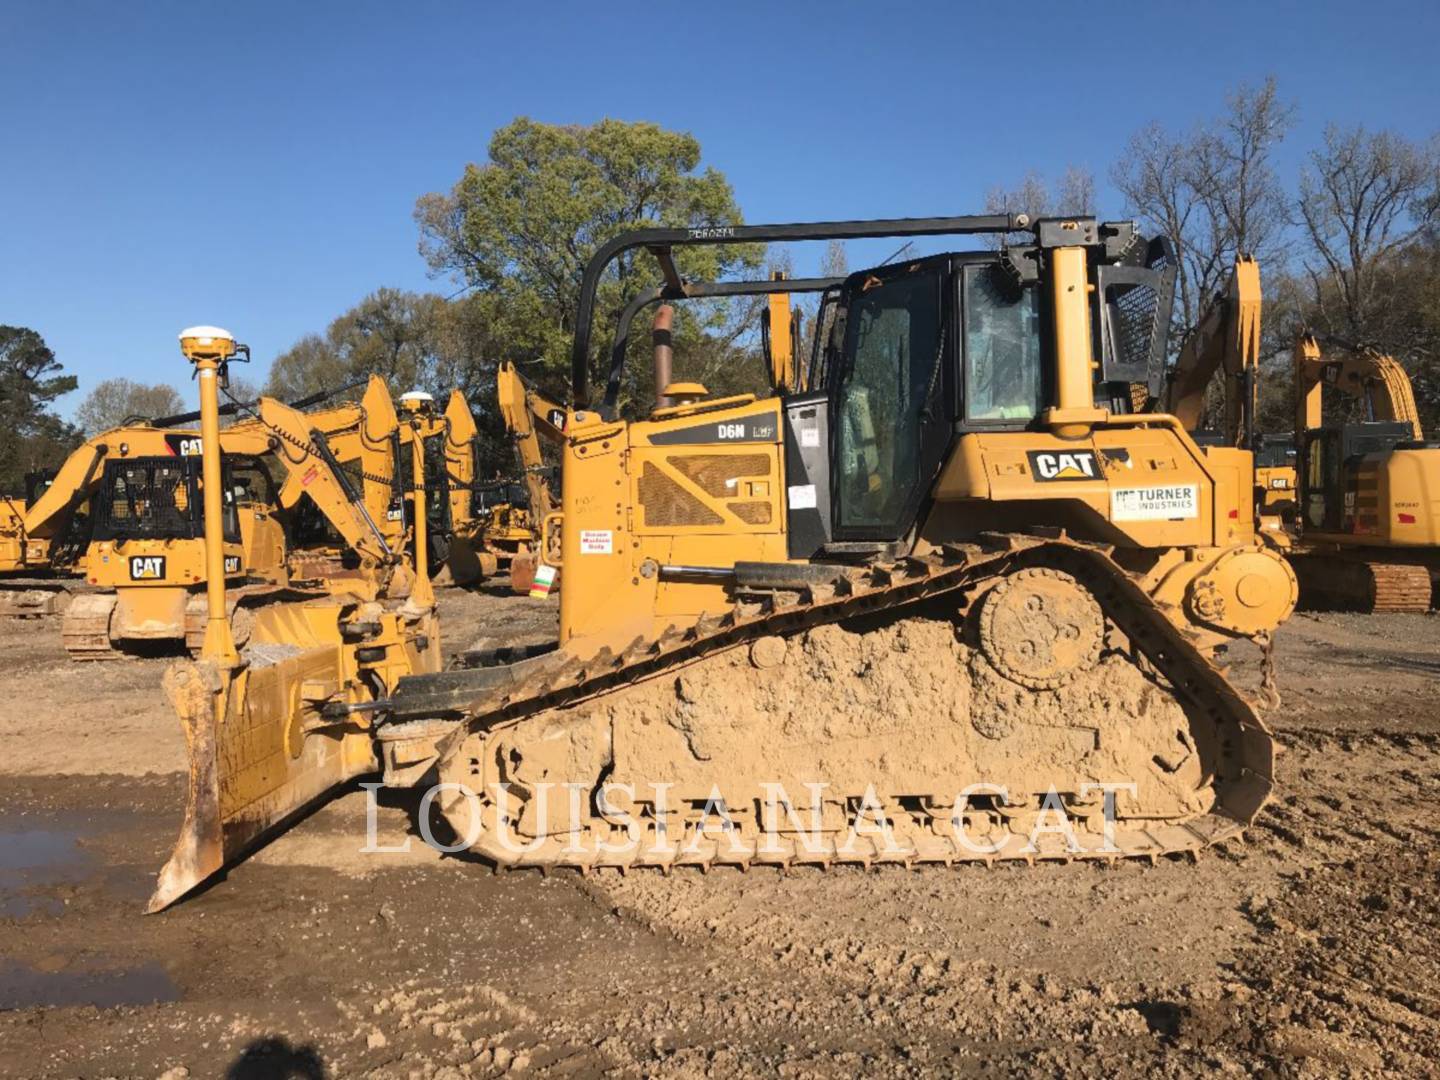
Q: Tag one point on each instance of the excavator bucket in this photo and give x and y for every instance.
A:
(274, 737)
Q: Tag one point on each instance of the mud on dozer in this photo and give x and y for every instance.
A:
(934, 595)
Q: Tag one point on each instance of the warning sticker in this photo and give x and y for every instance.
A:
(1172, 502)
(597, 542)
(802, 496)
(810, 436)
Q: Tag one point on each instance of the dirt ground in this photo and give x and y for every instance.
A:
(1309, 951)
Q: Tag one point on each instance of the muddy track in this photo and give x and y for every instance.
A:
(521, 723)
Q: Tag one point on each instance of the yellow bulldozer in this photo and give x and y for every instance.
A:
(1369, 489)
(940, 595)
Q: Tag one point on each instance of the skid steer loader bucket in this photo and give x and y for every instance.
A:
(270, 739)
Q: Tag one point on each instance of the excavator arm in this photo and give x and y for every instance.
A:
(460, 432)
(1372, 377)
(1227, 340)
(527, 414)
(313, 467)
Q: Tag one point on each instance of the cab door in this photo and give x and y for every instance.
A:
(887, 410)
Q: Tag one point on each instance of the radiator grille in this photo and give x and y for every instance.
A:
(709, 472)
(752, 513)
(664, 502)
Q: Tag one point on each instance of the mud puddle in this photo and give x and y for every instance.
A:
(55, 981)
(36, 856)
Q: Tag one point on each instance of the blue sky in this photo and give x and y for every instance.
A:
(256, 165)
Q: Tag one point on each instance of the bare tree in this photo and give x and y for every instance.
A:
(1213, 192)
(113, 401)
(1031, 196)
(1364, 199)
(1077, 192)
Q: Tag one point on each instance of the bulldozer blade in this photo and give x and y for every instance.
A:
(260, 753)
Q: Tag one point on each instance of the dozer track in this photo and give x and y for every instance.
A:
(1354, 583)
(85, 628)
(30, 598)
(1154, 702)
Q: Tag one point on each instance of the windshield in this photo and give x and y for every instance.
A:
(150, 499)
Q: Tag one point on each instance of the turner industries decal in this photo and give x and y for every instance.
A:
(1167, 502)
(147, 568)
(1052, 465)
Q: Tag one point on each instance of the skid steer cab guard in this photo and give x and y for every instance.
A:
(271, 730)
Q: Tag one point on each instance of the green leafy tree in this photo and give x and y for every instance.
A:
(113, 401)
(412, 340)
(31, 436)
(521, 227)
(389, 333)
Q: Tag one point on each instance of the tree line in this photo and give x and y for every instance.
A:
(1349, 248)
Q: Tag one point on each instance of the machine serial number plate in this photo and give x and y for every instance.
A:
(1170, 502)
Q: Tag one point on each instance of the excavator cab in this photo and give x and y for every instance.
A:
(151, 500)
(1335, 457)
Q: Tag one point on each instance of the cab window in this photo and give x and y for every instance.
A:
(1003, 363)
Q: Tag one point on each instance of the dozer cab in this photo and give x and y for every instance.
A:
(1369, 488)
(945, 599)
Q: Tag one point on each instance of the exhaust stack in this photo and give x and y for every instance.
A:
(664, 353)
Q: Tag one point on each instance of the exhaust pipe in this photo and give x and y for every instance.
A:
(664, 353)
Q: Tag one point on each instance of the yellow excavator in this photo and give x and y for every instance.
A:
(946, 599)
(145, 563)
(1369, 490)
(44, 538)
(1226, 342)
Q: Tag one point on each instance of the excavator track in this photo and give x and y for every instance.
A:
(1354, 583)
(86, 627)
(550, 721)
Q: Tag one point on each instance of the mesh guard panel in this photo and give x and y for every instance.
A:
(664, 502)
(710, 472)
(752, 513)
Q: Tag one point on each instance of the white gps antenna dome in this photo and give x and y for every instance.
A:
(206, 342)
